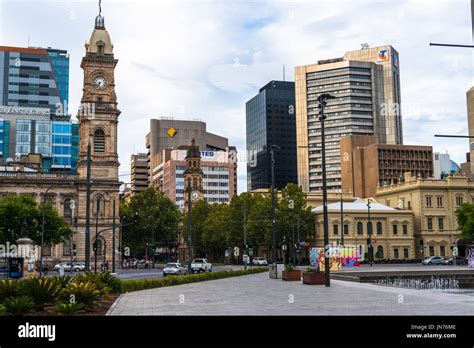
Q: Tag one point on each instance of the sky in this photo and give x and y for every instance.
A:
(204, 59)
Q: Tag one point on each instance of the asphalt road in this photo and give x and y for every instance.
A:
(158, 272)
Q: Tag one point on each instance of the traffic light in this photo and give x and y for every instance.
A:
(94, 247)
(135, 218)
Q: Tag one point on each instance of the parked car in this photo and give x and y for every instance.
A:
(433, 260)
(174, 268)
(200, 265)
(459, 261)
(260, 261)
(76, 266)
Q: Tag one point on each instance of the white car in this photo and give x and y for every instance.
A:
(200, 265)
(260, 261)
(76, 267)
(173, 268)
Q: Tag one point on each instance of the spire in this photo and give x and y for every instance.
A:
(99, 20)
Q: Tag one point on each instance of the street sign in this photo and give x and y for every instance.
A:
(236, 251)
(283, 247)
(250, 251)
(226, 253)
(245, 258)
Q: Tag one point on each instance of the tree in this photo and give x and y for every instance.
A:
(216, 230)
(465, 218)
(158, 220)
(21, 216)
(199, 213)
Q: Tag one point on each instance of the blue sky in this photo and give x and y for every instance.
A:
(205, 59)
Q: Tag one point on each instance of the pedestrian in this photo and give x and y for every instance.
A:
(106, 266)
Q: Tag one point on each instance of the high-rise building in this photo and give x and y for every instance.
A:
(270, 120)
(366, 164)
(26, 130)
(470, 124)
(139, 172)
(444, 166)
(168, 134)
(366, 85)
(34, 77)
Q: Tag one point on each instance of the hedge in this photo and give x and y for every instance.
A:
(151, 283)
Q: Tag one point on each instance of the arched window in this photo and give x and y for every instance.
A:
(379, 228)
(379, 252)
(360, 228)
(99, 141)
(99, 205)
(67, 211)
(195, 182)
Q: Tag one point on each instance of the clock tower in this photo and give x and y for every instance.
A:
(98, 121)
(193, 174)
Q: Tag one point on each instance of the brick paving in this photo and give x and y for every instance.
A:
(258, 295)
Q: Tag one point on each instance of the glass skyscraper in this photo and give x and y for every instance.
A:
(270, 120)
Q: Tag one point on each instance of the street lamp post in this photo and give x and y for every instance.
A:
(98, 201)
(190, 239)
(42, 231)
(369, 233)
(72, 206)
(322, 100)
(273, 149)
(88, 210)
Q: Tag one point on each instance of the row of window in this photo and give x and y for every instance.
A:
(338, 70)
(439, 201)
(379, 228)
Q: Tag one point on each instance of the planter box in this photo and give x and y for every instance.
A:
(291, 276)
(316, 278)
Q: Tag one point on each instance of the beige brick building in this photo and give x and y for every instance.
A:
(433, 204)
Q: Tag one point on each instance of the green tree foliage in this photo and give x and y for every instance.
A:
(199, 213)
(21, 216)
(465, 218)
(157, 215)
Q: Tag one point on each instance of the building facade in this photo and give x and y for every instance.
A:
(366, 85)
(443, 166)
(433, 204)
(139, 170)
(34, 77)
(25, 130)
(366, 164)
(270, 120)
(392, 229)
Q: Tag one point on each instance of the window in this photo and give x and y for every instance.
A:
(431, 248)
(395, 253)
(441, 223)
(379, 228)
(459, 200)
(335, 229)
(346, 229)
(430, 223)
(405, 229)
(99, 141)
(439, 201)
(379, 252)
(405, 253)
(428, 201)
(360, 228)
(442, 250)
(395, 229)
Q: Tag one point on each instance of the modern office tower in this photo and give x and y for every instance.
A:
(139, 172)
(218, 175)
(444, 166)
(470, 123)
(366, 164)
(34, 77)
(25, 131)
(367, 89)
(167, 133)
(270, 120)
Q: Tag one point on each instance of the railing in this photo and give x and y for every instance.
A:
(38, 175)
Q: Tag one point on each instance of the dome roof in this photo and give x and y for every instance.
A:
(99, 37)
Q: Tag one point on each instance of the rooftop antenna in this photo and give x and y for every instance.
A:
(283, 72)
(100, 7)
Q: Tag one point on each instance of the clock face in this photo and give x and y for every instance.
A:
(195, 195)
(100, 82)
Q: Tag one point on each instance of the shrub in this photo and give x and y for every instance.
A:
(85, 292)
(289, 267)
(19, 305)
(104, 282)
(42, 290)
(62, 281)
(150, 283)
(2, 309)
(8, 288)
(68, 309)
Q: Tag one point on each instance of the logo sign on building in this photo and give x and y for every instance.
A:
(18, 110)
(382, 56)
(171, 132)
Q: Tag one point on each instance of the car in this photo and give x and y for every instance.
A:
(76, 266)
(433, 260)
(173, 268)
(459, 260)
(200, 265)
(260, 261)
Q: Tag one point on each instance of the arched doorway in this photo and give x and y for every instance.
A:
(461, 244)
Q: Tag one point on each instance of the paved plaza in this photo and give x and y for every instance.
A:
(258, 295)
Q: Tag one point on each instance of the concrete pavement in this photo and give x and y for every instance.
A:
(258, 295)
